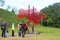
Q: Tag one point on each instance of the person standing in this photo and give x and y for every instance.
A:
(19, 29)
(13, 29)
(3, 28)
(22, 29)
(6, 32)
(23, 25)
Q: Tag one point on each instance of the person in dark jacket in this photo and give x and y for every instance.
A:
(22, 29)
(3, 28)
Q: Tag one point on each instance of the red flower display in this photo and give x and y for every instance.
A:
(32, 15)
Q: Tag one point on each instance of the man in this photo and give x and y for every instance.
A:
(3, 28)
(22, 29)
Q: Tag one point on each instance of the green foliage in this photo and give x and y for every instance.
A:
(53, 14)
(10, 17)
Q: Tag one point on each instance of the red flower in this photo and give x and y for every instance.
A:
(32, 15)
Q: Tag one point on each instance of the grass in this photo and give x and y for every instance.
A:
(47, 33)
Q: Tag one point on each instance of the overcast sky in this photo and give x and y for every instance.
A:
(38, 4)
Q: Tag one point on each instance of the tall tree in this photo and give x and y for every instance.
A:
(53, 12)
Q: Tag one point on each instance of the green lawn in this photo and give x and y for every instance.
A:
(47, 33)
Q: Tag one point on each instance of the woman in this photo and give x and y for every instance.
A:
(13, 29)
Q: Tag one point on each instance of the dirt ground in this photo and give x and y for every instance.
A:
(27, 37)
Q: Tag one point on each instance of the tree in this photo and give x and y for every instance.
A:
(14, 10)
(53, 12)
(8, 7)
(2, 3)
(32, 15)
